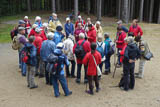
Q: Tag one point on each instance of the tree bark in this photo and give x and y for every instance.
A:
(99, 4)
(132, 9)
(159, 14)
(53, 6)
(125, 11)
(151, 11)
(29, 6)
(76, 9)
(129, 9)
(88, 6)
(119, 9)
(141, 11)
(58, 6)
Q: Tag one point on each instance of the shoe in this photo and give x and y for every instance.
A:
(85, 81)
(73, 76)
(36, 86)
(137, 76)
(68, 76)
(70, 93)
(23, 75)
(136, 73)
(27, 85)
(89, 92)
(78, 81)
(106, 73)
(98, 89)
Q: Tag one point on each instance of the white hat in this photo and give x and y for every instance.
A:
(54, 14)
(67, 19)
(45, 25)
(98, 22)
(79, 17)
(119, 22)
(37, 18)
(60, 45)
(34, 25)
(38, 30)
(26, 17)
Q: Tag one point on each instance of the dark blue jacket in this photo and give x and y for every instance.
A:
(124, 29)
(69, 29)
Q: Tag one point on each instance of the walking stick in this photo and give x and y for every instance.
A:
(115, 69)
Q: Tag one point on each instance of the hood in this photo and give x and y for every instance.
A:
(58, 52)
(92, 28)
(132, 45)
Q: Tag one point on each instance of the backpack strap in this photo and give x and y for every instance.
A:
(82, 42)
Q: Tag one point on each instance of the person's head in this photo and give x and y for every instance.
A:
(38, 19)
(79, 25)
(126, 40)
(25, 17)
(89, 20)
(138, 38)
(98, 23)
(90, 26)
(68, 20)
(106, 35)
(135, 21)
(59, 28)
(93, 47)
(54, 15)
(79, 18)
(31, 39)
(21, 23)
(119, 29)
(119, 23)
(81, 36)
(130, 39)
(21, 30)
(60, 45)
(45, 25)
(34, 26)
(131, 34)
(38, 30)
(50, 36)
(99, 38)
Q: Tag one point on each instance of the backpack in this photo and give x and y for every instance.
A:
(25, 55)
(15, 44)
(112, 48)
(100, 49)
(13, 33)
(79, 51)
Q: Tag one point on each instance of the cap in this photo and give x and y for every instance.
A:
(79, 17)
(37, 18)
(59, 28)
(25, 17)
(21, 22)
(60, 45)
(98, 22)
(21, 28)
(67, 19)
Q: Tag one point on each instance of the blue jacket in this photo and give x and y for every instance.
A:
(33, 52)
(39, 24)
(62, 60)
(48, 47)
(57, 37)
(69, 29)
(124, 29)
(107, 45)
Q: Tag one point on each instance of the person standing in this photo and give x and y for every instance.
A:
(78, 30)
(38, 21)
(80, 20)
(119, 23)
(58, 35)
(131, 54)
(27, 24)
(91, 34)
(98, 28)
(90, 59)
(68, 51)
(69, 27)
(86, 25)
(84, 46)
(48, 47)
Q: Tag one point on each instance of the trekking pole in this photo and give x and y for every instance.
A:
(115, 69)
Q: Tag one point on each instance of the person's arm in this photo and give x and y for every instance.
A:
(66, 30)
(66, 62)
(33, 52)
(72, 29)
(126, 57)
(140, 31)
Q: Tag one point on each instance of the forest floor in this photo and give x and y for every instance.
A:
(14, 91)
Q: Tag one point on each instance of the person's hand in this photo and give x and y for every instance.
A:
(131, 61)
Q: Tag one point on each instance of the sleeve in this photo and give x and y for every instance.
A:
(130, 29)
(53, 47)
(33, 52)
(41, 51)
(66, 62)
(87, 46)
(99, 58)
(72, 29)
(123, 37)
(126, 57)
(140, 31)
(74, 48)
(67, 33)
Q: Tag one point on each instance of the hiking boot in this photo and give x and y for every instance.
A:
(85, 81)
(41, 76)
(78, 81)
(73, 76)
(106, 73)
(70, 93)
(90, 92)
(98, 89)
(36, 86)
(137, 76)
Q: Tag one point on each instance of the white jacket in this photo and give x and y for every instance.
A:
(68, 49)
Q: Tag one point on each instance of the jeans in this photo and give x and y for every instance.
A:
(63, 82)
(48, 76)
(107, 63)
(141, 67)
(79, 66)
(23, 68)
(90, 81)
(101, 66)
(19, 57)
(119, 56)
(129, 79)
(72, 70)
(30, 75)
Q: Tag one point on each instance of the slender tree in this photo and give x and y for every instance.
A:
(58, 6)
(125, 11)
(29, 6)
(151, 11)
(88, 6)
(132, 9)
(119, 9)
(99, 4)
(76, 9)
(53, 6)
(159, 14)
(141, 11)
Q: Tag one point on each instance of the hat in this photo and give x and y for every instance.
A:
(34, 25)
(45, 25)
(26, 17)
(21, 22)
(37, 18)
(79, 17)
(37, 30)
(119, 22)
(98, 22)
(21, 28)
(67, 19)
(54, 14)
(60, 45)
(59, 28)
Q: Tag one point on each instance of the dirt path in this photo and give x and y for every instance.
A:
(14, 92)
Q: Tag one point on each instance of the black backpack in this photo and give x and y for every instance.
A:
(79, 51)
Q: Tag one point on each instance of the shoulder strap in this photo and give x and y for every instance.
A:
(94, 60)
(82, 43)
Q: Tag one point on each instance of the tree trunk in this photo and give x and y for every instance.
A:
(119, 9)
(141, 11)
(159, 14)
(125, 11)
(76, 9)
(88, 6)
(99, 4)
(129, 9)
(53, 6)
(132, 9)
(58, 6)
(29, 6)
(151, 11)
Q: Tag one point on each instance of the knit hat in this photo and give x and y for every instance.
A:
(119, 22)
(37, 18)
(67, 19)
(130, 39)
(59, 28)
(25, 17)
(60, 45)
(21, 22)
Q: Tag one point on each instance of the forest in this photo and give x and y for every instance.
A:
(126, 10)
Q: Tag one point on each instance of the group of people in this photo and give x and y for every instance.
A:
(46, 50)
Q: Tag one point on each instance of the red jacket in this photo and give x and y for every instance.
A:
(43, 35)
(33, 32)
(86, 47)
(122, 53)
(88, 59)
(92, 35)
(120, 42)
(82, 22)
(136, 30)
(38, 44)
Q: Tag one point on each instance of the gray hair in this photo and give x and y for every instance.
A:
(50, 35)
(106, 34)
(81, 36)
(31, 39)
(130, 39)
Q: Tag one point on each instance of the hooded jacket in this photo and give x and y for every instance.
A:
(69, 29)
(57, 37)
(120, 39)
(92, 35)
(136, 30)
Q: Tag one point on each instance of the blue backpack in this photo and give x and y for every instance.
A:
(100, 49)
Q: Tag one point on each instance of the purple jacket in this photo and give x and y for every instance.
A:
(77, 32)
